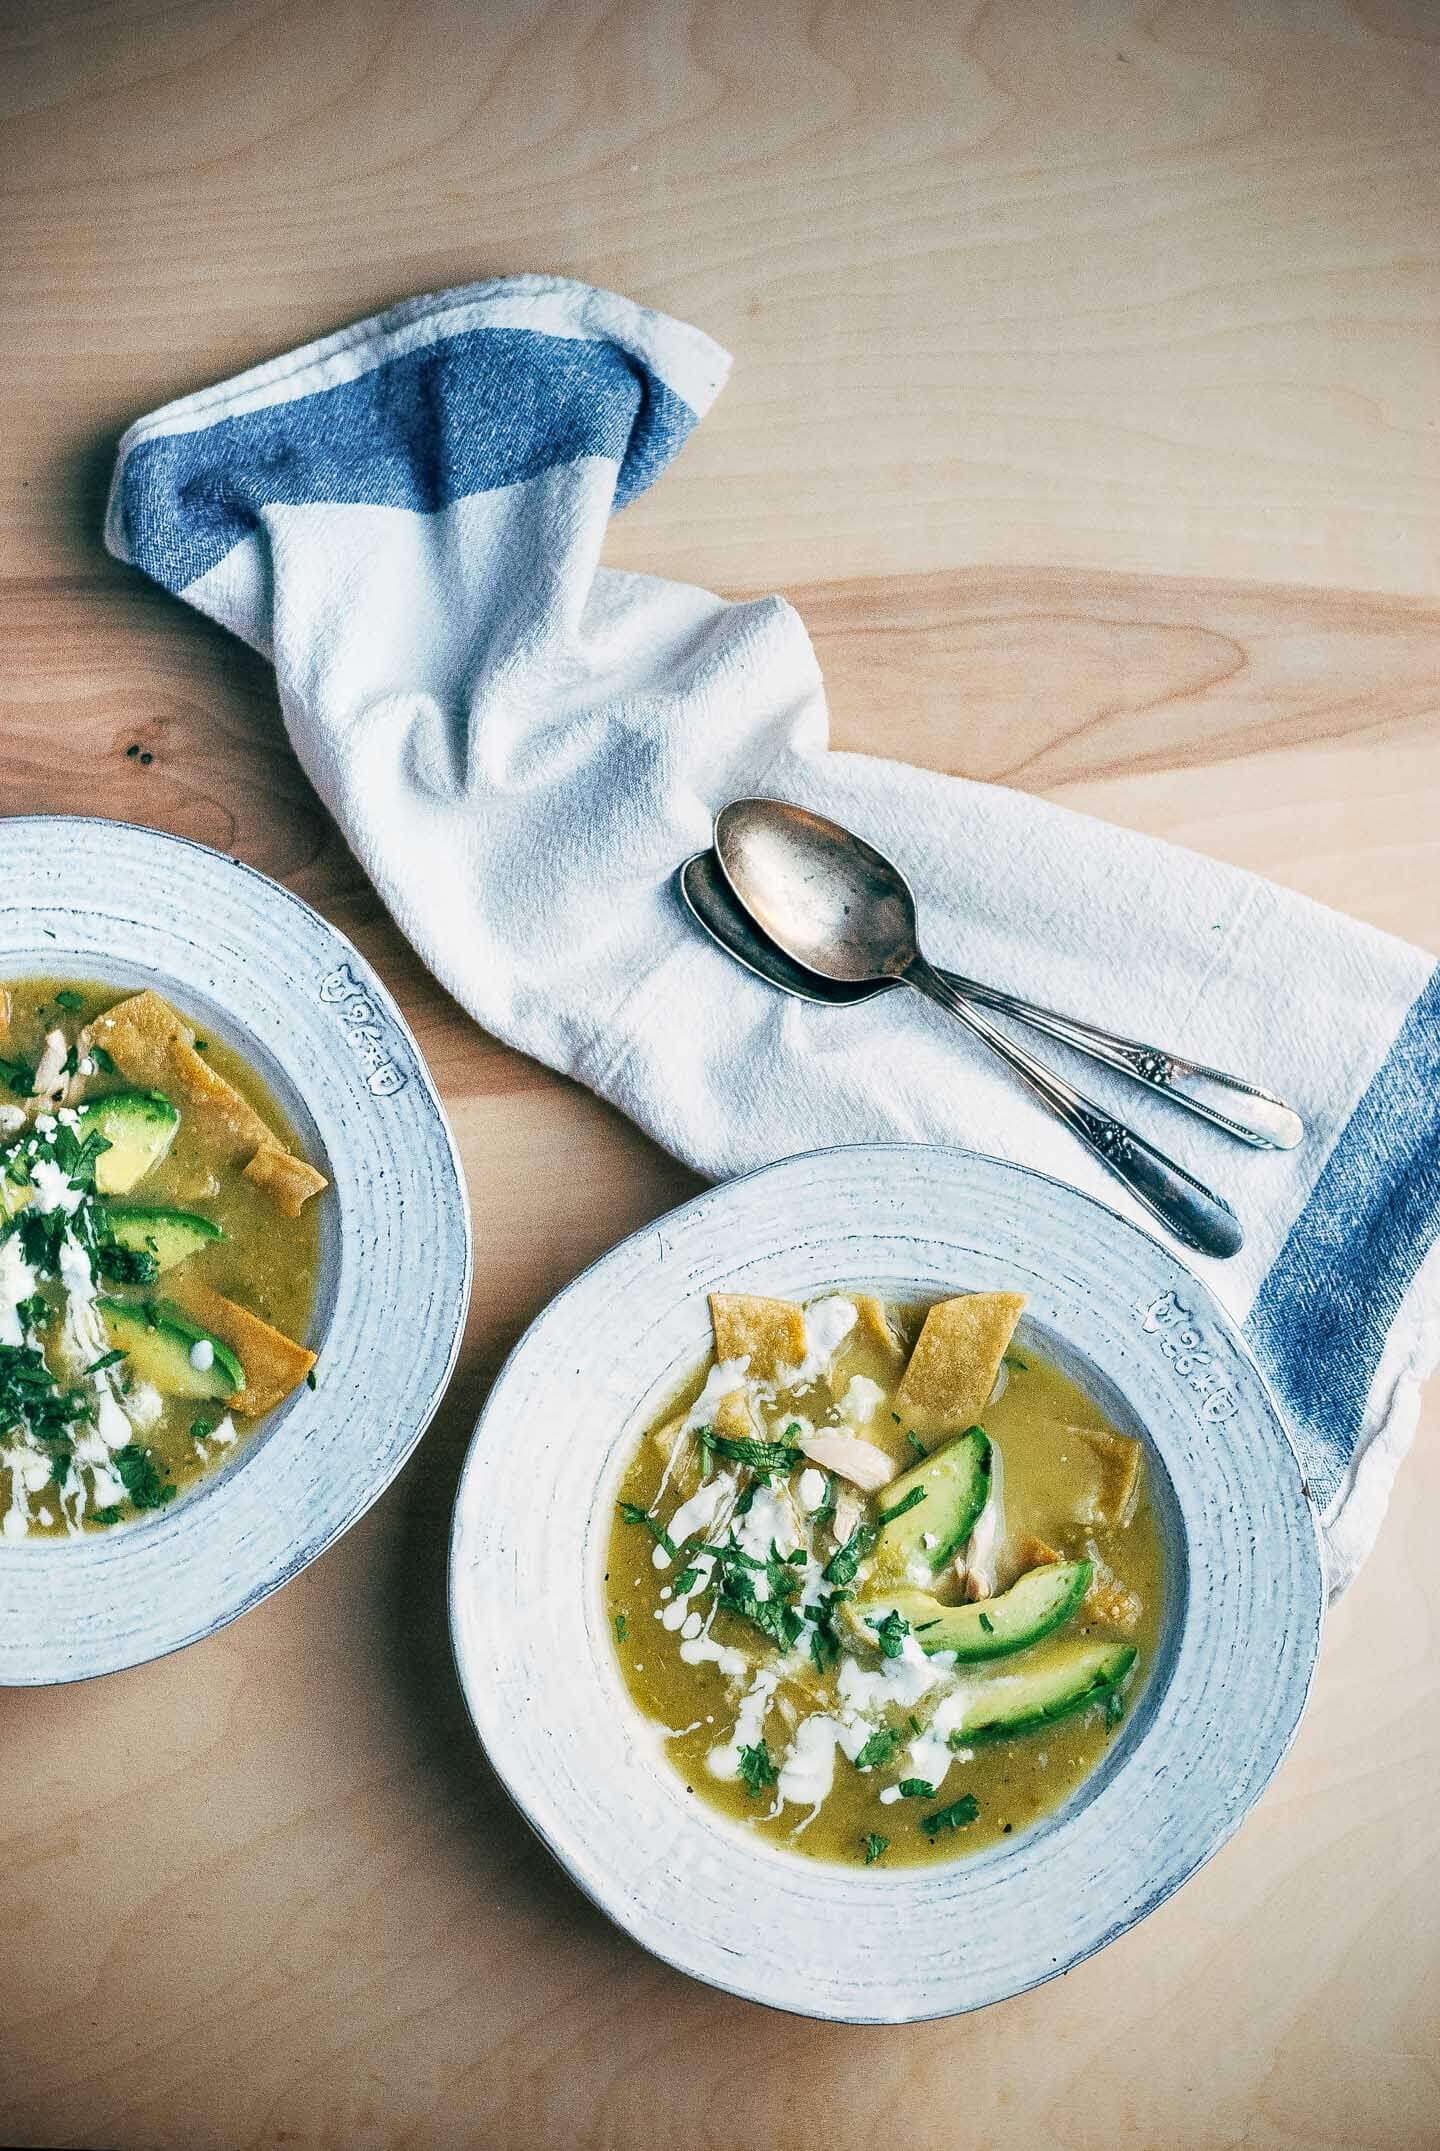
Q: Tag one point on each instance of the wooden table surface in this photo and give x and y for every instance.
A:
(1087, 403)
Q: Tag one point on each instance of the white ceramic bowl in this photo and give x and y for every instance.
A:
(265, 973)
(1242, 1618)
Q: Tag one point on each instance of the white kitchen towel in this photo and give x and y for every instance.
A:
(522, 747)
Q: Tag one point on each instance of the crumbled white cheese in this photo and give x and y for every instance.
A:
(811, 1489)
(862, 1399)
(53, 1188)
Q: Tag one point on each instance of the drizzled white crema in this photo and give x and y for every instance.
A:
(827, 1324)
(82, 1342)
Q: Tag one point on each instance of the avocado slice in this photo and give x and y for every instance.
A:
(159, 1341)
(1067, 1676)
(171, 1236)
(1038, 1602)
(139, 1126)
(955, 1483)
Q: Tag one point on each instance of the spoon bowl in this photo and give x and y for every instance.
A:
(827, 898)
(841, 910)
(714, 905)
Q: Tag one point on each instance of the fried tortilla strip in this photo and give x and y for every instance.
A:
(769, 1333)
(874, 1323)
(953, 1367)
(151, 1045)
(1110, 1601)
(273, 1364)
(735, 1419)
(288, 1180)
(1034, 1553)
(1119, 1459)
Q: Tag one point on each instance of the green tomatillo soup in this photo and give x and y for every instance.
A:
(159, 1248)
(885, 1582)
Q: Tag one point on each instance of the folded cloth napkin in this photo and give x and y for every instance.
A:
(522, 746)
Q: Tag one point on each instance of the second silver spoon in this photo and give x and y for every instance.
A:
(840, 908)
(1227, 1102)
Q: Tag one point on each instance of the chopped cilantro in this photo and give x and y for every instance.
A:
(912, 1500)
(896, 1417)
(730, 1552)
(201, 1429)
(142, 1481)
(656, 1529)
(103, 1061)
(106, 1516)
(955, 1817)
(31, 1398)
(685, 1581)
(796, 1559)
(987, 1624)
(1114, 1709)
(67, 997)
(621, 1626)
(878, 1750)
(71, 1064)
(759, 1455)
(914, 1723)
(842, 1566)
(17, 1077)
(824, 1643)
(916, 1789)
(756, 1767)
(747, 1499)
(310, 1381)
(106, 1359)
(202, 1045)
(126, 1265)
(772, 1616)
(1013, 1359)
(890, 1633)
(915, 1442)
(874, 1846)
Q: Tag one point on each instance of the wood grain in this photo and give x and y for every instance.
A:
(1067, 338)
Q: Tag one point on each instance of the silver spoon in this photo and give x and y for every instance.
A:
(1271, 1125)
(838, 907)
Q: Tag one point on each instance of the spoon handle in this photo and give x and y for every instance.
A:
(1181, 1203)
(1242, 1109)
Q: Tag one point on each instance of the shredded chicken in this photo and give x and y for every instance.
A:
(975, 1570)
(850, 1458)
(847, 1516)
(51, 1082)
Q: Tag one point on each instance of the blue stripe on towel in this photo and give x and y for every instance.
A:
(1323, 1313)
(481, 409)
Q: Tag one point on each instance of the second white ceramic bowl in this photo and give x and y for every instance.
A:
(1244, 1596)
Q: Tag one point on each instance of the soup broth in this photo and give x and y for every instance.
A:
(159, 1250)
(788, 1638)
